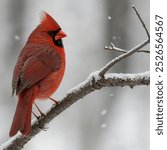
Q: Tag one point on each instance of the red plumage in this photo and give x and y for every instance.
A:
(38, 71)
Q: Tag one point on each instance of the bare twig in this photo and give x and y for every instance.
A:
(112, 47)
(130, 52)
(94, 82)
(119, 58)
(141, 21)
(144, 51)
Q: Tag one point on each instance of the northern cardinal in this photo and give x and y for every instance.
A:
(38, 72)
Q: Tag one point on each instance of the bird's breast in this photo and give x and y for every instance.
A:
(49, 84)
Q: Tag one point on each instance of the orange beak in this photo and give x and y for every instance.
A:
(60, 35)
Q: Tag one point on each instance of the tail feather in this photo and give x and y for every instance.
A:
(22, 118)
(27, 126)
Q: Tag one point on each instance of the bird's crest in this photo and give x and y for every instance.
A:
(47, 22)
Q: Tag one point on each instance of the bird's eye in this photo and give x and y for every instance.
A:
(53, 33)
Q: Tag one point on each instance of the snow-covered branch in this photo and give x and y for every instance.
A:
(92, 83)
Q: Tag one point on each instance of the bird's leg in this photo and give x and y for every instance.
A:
(42, 114)
(37, 117)
(56, 102)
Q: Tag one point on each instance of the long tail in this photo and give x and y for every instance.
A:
(22, 118)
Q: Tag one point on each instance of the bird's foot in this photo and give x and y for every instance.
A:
(41, 113)
(56, 102)
(37, 117)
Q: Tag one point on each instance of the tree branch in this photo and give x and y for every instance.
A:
(92, 83)
(121, 57)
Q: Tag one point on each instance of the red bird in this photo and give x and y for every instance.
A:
(38, 72)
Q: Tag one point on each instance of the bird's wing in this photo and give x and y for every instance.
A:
(36, 67)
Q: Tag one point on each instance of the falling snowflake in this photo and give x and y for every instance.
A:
(103, 112)
(109, 17)
(16, 37)
(103, 125)
(114, 37)
(111, 94)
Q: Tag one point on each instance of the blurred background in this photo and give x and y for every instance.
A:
(109, 119)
